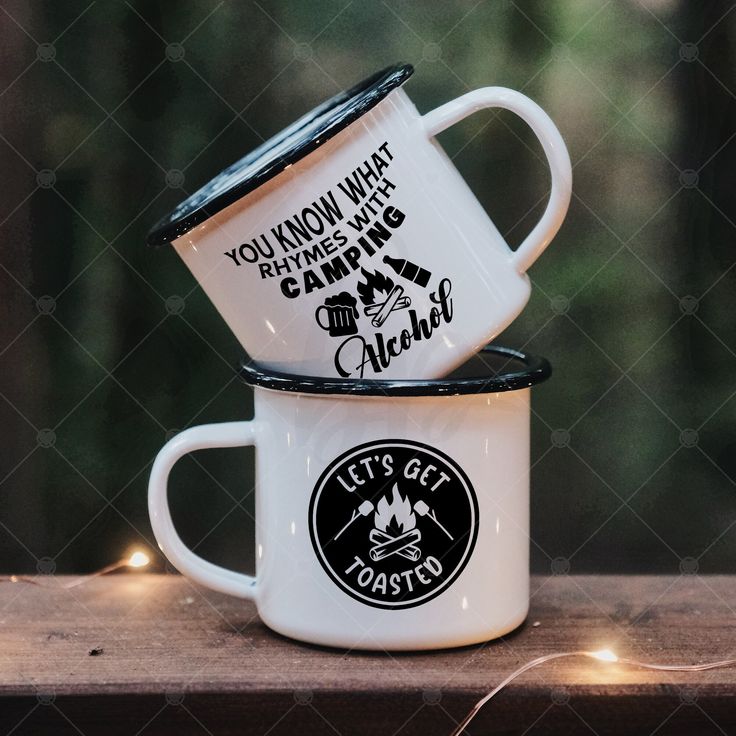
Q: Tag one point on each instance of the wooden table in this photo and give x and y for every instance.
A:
(155, 654)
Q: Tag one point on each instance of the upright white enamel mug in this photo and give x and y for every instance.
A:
(349, 245)
(390, 515)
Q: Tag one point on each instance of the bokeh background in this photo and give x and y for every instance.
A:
(112, 112)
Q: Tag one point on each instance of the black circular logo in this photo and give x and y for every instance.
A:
(393, 522)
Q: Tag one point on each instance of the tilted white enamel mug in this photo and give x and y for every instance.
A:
(389, 514)
(349, 245)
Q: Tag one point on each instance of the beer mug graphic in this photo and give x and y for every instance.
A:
(340, 311)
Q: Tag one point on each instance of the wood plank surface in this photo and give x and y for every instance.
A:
(155, 654)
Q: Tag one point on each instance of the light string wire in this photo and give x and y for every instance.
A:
(602, 655)
(136, 560)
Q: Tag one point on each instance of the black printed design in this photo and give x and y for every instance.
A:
(381, 296)
(336, 242)
(338, 314)
(409, 270)
(393, 522)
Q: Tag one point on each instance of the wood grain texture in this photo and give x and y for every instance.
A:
(178, 658)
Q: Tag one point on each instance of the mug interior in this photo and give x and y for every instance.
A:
(492, 370)
(285, 148)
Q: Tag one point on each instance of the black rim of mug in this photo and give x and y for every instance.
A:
(257, 167)
(535, 370)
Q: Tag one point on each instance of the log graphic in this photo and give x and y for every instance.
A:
(395, 544)
(410, 553)
(372, 309)
(388, 306)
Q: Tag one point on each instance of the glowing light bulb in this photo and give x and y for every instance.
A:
(138, 559)
(604, 655)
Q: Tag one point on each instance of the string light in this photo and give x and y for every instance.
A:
(601, 655)
(136, 560)
(18, 579)
(604, 655)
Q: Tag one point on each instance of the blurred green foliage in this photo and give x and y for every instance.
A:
(136, 105)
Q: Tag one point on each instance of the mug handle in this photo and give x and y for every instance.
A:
(206, 436)
(554, 148)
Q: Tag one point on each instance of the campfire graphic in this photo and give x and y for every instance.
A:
(395, 522)
(381, 296)
(395, 532)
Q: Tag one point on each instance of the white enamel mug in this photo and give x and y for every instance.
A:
(389, 514)
(349, 245)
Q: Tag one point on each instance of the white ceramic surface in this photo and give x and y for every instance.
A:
(444, 452)
(362, 316)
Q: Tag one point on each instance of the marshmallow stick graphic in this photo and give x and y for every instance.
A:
(423, 510)
(363, 510)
